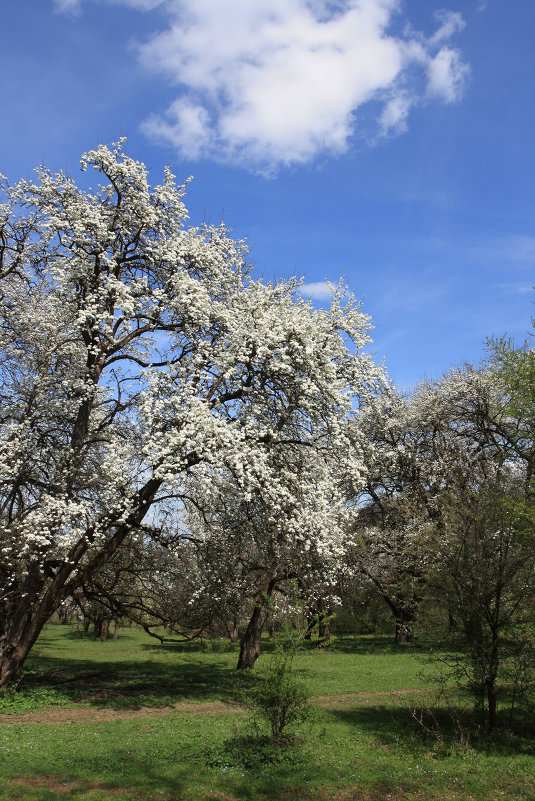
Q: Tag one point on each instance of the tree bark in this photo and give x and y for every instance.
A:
(324, 631)
(250, 644)
(232, 631)
(104, 629)
(21, 633)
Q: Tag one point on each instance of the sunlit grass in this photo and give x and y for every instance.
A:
(356, 749)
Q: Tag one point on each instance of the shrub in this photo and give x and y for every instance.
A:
(280, 698)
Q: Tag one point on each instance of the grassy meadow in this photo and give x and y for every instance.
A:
(134, 720)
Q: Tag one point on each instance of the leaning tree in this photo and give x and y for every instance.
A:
(136, 351)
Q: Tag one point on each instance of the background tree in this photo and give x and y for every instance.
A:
(396, 511)
(251, 548)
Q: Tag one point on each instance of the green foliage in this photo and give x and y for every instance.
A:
(280, 698)
(514, 370)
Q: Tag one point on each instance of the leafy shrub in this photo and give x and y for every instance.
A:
(280, 698)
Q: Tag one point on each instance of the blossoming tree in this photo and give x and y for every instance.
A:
(137, 351)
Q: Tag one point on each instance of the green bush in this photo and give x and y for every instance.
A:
(280, 698)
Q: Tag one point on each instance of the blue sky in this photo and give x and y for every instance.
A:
(388, 142)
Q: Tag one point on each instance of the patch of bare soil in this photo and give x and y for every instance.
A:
(88, 715)
(79, 789)
(58, 785)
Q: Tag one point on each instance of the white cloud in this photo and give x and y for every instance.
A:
(186, 126)
(318, 290)
(450, 23)
(447, 75)
(395, 113)
(277, 83)
(267, 83)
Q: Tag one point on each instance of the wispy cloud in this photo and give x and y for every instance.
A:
(75, 6)
(67, 6)
(508, 250)
(278, 83)
(446, 75)
(515, 288)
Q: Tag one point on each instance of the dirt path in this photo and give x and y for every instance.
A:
(91, 715)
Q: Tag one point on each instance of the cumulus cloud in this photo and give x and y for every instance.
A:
(186, 125)
(317, 290)
(279, 82)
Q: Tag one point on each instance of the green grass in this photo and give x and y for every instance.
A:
(360, 749)
(67, 667)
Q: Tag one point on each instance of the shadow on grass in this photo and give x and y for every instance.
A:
(380, 644)
(124, 685)
(445, 732)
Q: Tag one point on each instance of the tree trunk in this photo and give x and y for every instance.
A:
(250, 644)
(403, 629)
(116, 631)
(38, 602)
(312, 619)
(18, 640)
(491, 699)
(11, 662)
(324, 631)
(104, 628)
(232, 631)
